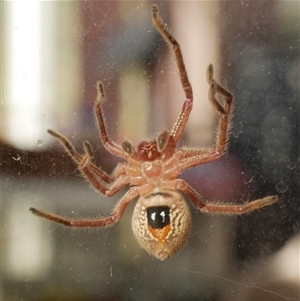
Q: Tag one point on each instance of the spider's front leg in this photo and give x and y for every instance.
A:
(164, 32)
(188, 104)
(223, 208)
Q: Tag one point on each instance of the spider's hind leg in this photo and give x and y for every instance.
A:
(223, 208)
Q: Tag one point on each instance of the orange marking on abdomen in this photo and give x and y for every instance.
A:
(160, 234)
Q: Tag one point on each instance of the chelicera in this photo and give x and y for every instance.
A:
(161, 219)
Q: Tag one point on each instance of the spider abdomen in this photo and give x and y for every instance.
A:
(161, 222)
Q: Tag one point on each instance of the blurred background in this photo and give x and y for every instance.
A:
(53, 54)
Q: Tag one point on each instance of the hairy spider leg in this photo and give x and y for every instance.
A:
(82, 160)
(201, 156)
(115, 216)
(100, 222)
(96, 182)
(225, 112)
(109, 144)
(187, 107)
(223, 208)
(96, 176)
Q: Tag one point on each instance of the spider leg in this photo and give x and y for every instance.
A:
(83, 161)
(194, 157)
(100, 222)
(223, 208)
(95, 175)
(86, 164)
(190, 152)
(115, 216)
(97, 182)
(225, 111)
(67, 145)
(187, 107)
(120, 178)
(162, 29)
(109, 144)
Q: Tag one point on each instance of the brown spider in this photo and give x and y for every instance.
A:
(161, 219)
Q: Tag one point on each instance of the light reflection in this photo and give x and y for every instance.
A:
(42, 70)
(23, 67)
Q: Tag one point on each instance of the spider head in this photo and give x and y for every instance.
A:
(161, 222)
(162, 147)
(147, 151)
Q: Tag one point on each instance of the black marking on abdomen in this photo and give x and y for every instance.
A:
(158, 216)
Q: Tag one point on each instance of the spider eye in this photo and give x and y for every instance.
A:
(158, 216)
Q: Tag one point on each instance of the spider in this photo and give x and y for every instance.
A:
(161, 218)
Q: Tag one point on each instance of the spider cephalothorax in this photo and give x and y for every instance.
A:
(163, 147)
(148, 151)
(161, 219)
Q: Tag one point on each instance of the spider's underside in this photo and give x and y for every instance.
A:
(161, 219)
